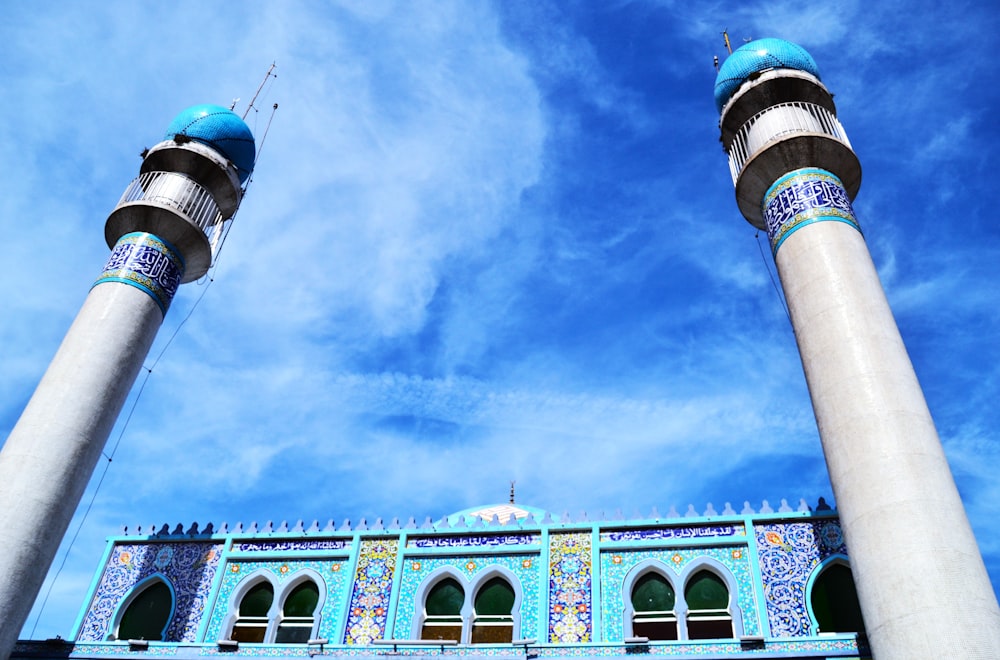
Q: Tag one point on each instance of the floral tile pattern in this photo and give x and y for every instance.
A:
(187, 567)
(570, 588)
(415, 571)
(331, 571)
(789, 552)
(372, 590)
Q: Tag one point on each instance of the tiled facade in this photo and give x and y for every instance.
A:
(571, 581)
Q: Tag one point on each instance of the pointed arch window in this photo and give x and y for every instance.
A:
(708, 615)
(298, 614)
(834, 601)
(252, 621)
(443, 611)
(147, 616)
(493, 620)
(653, 601)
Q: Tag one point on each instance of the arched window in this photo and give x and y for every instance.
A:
(493, 621)
(653, 603)
(707, 599)
(251, 624)
(835, 601)
(147, 616)
(297, 614)
(443, 611)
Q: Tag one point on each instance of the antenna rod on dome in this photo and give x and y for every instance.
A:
(161, 235)
(262, 83)
(725, 36)
(512, 491)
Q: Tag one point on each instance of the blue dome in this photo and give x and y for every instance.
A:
(219, 128)
(757, 56)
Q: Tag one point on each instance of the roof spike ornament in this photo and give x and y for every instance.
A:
(796, 176)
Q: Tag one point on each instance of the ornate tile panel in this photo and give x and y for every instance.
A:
(803, 197)
(495, 541)
(664, 533)
(615, 566)
(570, 588)
(148, 263)
(372, 590)
(415, 571)
(331, 570)
(188, 567)
(788, 554)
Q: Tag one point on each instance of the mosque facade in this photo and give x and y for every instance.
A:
(506, 580)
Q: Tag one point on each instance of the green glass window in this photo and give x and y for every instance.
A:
(297, 616)
(494, 623)
(653, 602)
(251, 624)
(835, 601)
(148, 614)
(707, 599)
(443, 611)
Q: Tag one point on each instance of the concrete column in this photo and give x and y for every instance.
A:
(922, 584)
(49, 456)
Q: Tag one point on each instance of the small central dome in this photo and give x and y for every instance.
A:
(219, 128)
(757, 56)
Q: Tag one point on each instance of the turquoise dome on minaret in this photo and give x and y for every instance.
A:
(757, 56)
(219, 128)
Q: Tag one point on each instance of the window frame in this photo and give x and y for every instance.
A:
(470, 588)
(134, 593)
(275, 614)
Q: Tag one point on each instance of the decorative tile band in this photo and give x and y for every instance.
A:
(472, 541)
(271, 546)
(188, 568)
(654, 534)
(801, 198)
(148, 263)
(570, 588)
(366, 617)
(788, 553)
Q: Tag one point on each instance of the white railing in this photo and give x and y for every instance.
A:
(778, 121)
(180, 193)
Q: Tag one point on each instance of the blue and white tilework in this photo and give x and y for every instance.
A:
(788, 553)
(801, 198)
(616, 565)
(661, 533)
(372, 590)
(333, 572)
(148, 263)
(492, 541)
(188, 567)
(417, 569)
(570, 588)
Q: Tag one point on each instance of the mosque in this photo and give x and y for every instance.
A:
(515, 581)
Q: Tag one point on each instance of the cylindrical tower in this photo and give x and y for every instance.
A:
(163, 232)
(922, 584)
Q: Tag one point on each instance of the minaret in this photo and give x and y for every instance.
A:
(163, 232)
(922, 585)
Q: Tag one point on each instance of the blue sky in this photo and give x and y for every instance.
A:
(488, 242)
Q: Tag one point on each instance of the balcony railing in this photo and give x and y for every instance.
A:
(180, 193)
(779, 121)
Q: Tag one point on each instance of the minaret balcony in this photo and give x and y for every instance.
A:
(781, 121)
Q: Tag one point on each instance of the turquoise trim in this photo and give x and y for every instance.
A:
(597, 611)
(838, 558)
(210, 604)
(757, 575)
(92, 591)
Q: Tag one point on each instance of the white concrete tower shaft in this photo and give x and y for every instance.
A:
(922, 585)
(162, 233)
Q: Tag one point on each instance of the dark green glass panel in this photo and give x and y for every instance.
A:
(250, 633)
(447, 597)
(495, 597)
(148, 614)
(297, 634)
(652, 593)
(257, 601)
(835, 601)
(302, 601)
(706, 591)
(431, 631)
